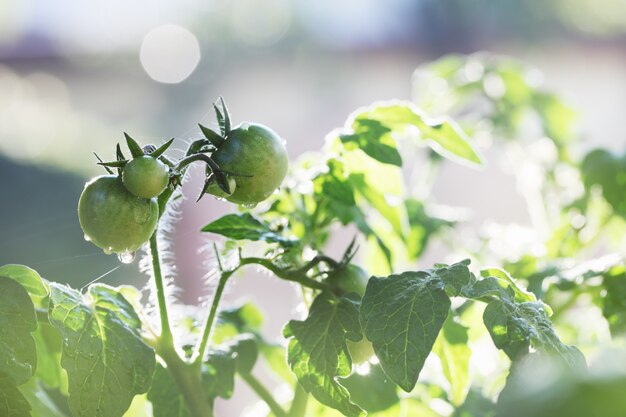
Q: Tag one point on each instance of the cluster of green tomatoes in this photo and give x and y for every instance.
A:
(119, 212)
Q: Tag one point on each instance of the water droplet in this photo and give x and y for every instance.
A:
(250, 206)
(126, 257)
(107, 251)
(87, 238)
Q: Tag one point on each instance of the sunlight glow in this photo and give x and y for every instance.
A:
(169, 54)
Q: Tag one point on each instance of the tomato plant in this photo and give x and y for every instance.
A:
(399, 335)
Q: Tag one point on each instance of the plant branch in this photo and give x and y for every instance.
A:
(166, 332)
(298, 405)
(264, 394)
(294, 275)
(208, 325)
(189, 383)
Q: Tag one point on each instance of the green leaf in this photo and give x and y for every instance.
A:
(452, 349)
(422, 227)
(318, 353)
(373, 391)
(26, 277)
(161, 149)
(601, 168)
(218, 374)
(133, 146)
(218, 380)
(12, 402)
(476, 405)
(402, 316)
(514, 328)
(213, 137)
(274, 355)
(456, 277)
(394, 214)
(236, 320)
(165, 396)
(40, 402)
(338, 189)
(444, 136)
(521, 295)
(247, 351)
(614, 299)
(374, 139)
(18, 356)
(106, 360)
(49, 345)
(245, 226)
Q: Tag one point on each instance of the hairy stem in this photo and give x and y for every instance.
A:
(166, 331)
(298, 275)
(208, 325)
(298, 405)
(264, 394)
(188, 382)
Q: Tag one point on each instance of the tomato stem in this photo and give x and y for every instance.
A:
(188, 381)
(208, 325)
(295, 275)
(166, 332)
(264, 394)
(298, 405)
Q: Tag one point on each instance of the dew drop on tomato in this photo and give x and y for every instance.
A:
(126, 257)
(87, 239)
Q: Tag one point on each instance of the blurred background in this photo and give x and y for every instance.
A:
(74, 75)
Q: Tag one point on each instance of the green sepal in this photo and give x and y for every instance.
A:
(223, 117)
(215, 138)
(118, 153)
(100, 160)
(114, 164)
(161, 149)
(133, 146)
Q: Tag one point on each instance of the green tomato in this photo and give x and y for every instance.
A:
(257, 158)
(145, 176)
(360, 351)
(351, 278)
(114, 219)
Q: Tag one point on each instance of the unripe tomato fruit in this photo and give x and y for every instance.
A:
(145, 176)
(360, 351)
(258, 155)
(350, 278)
(114, 219)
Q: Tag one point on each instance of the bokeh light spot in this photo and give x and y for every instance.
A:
(169, 54)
